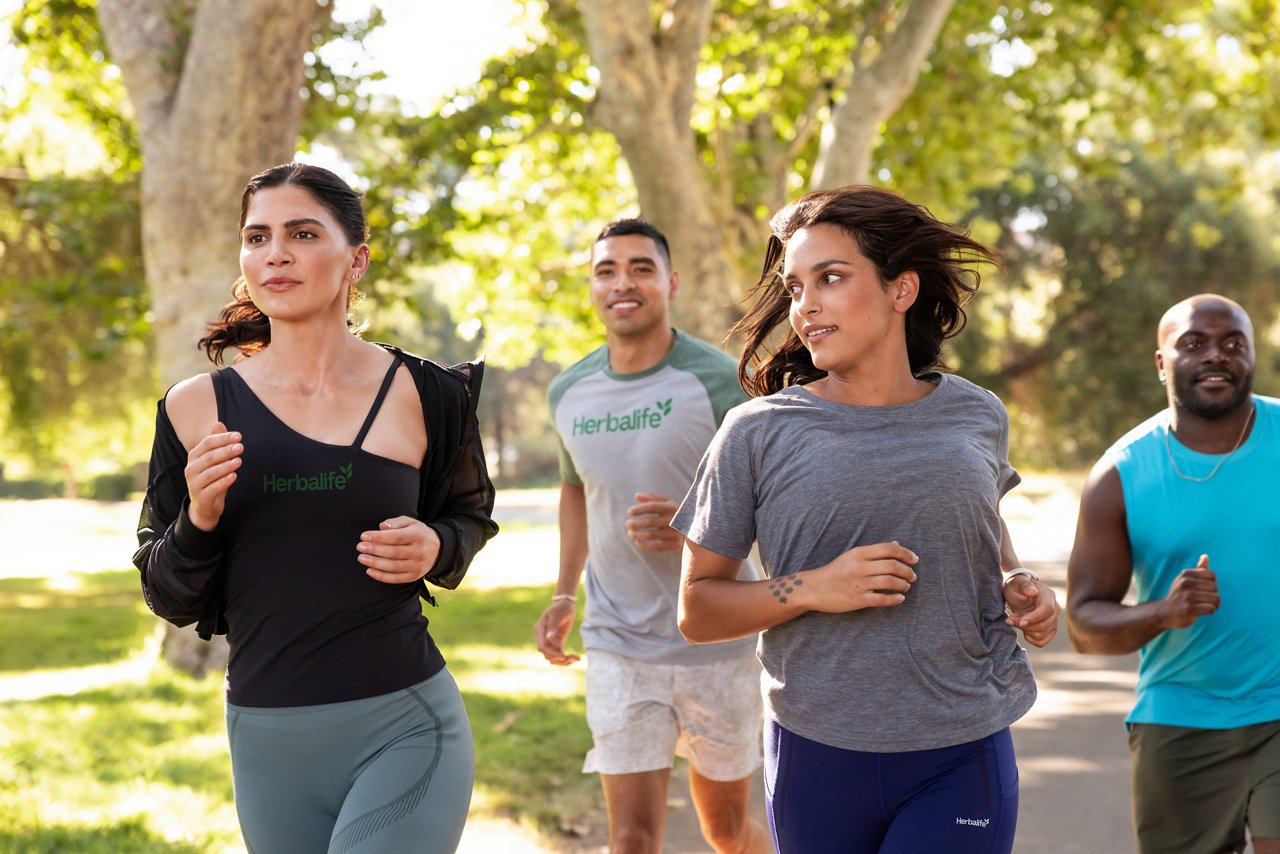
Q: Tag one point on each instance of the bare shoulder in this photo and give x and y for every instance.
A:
(1103, 491)
(1100, 565)
(192, 409)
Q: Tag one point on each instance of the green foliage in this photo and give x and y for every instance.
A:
(31, 488)
(1094, 257)
(483, 211)
(511, 177)
(64, 35)
(336, 97)
(74, 332)
(508, 179)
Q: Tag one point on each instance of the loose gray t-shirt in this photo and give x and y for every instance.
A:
(809, 479)
(642, 432)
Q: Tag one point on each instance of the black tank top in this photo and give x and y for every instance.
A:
(306, 625)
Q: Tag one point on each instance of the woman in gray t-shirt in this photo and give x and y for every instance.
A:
(871, 483)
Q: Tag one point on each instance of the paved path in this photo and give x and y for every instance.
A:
(1072, 752)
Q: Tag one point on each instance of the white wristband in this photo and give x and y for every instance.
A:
(1019, 570)
(566, 597)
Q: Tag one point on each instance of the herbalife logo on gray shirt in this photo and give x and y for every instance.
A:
(648, 418)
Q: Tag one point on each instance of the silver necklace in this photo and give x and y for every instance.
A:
(1240, 441)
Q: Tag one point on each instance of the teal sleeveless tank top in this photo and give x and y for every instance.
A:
(1223, 671)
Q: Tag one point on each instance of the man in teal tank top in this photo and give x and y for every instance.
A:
(1187, 505)
(634, 418)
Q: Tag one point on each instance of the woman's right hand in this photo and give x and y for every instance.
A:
(875, 576)
(211, 469)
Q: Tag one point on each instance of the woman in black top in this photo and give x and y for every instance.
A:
(297, 502)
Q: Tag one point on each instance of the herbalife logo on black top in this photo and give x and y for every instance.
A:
(329, 481)
(648, 418)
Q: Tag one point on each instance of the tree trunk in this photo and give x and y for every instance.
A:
(878, 89)
(645, 97)
(215, 87)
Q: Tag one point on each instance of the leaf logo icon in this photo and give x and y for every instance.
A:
(665, 406)
(346, 471)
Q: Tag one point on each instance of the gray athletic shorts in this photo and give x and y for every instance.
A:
(390, 774)
(1196, 789)
(642, 714)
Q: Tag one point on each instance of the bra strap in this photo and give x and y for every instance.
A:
(377, 401)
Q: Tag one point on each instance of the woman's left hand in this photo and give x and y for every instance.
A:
(1033, 608)
(401, 551)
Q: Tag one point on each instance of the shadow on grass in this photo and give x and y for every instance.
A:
(72, 622)
(168, 731)
(129, 836)
(529, 754)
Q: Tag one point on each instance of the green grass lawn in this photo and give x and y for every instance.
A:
(142, 767)
(95, 619)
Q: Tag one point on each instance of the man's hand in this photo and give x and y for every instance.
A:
(552, 630)
(1033, 608)
(1194, 594)
(649, 523)
(401, 551)
(210, 471)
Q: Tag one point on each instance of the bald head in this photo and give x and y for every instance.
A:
(1179, 316)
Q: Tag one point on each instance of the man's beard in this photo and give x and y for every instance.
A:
(1186, 395)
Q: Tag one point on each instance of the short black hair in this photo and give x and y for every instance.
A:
(634, 225)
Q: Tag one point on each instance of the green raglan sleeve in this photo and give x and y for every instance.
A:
(718, 373)
(555, 393)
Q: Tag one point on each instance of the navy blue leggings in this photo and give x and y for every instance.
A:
(822, 800)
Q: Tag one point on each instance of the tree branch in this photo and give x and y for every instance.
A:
(145, 40)
(877, 91)
(684, 31)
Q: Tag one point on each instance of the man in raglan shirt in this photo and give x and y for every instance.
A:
(634, 418)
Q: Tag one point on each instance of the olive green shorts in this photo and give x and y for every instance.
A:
(1195, 790)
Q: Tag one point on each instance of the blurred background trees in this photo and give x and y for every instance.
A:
(1121, 155)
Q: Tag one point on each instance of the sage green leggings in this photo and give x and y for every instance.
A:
(390, 774)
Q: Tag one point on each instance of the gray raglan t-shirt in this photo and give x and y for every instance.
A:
(810, 479)
(644, 432)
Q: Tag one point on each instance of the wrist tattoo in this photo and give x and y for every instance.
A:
(781, 587)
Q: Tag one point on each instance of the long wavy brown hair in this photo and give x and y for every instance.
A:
(897, 236)
(240, 325)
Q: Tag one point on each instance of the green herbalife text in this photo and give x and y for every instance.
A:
(649, 418)
(323, 482)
